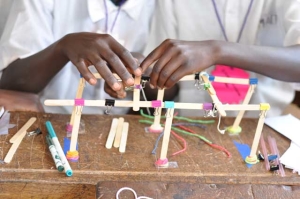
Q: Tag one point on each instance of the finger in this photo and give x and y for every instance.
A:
(121, 93)
(85, 72)
(126, 57)
(176, 76)
(114, 61)
(167, 71)
(110, 91)
(105, 72)
(159, 65)
(153, 56)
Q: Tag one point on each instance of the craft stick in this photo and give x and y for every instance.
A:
(238, 107)
(136, 93)
(188, 78)
(231, 80)
(119, 132)
(124, 137)
(167, 132)
(112, 133)
(246, 101)
(274, 150)
(156, 124)
(75, 129)
(14, 147)
(24, 128)
(78, 96)
(258, 132)
(211, 89)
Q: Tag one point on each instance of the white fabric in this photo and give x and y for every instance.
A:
(196, 20)
(34, 24)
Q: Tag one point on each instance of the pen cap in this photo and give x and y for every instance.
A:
(50, 129)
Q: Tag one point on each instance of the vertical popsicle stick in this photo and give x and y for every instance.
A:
(167, 132)
(264, 151)
(156, 125)
(136, 93)
(75, 129)
(119, 132)
(112, 133)
(124, 137)
(258, 132)
(78, 96)
(14, 147)
(246, 101)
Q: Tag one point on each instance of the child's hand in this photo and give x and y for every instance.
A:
(175, 59)
(105, 53)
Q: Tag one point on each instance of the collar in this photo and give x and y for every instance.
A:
(96, 8)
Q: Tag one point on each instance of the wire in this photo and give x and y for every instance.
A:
(134, 193)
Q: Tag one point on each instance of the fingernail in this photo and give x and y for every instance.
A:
(138, 72)
(92, 81)
(151, 86)
(116, 86)
(130, 81)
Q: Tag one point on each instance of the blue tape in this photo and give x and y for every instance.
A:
(169, 104)
(244, 151)
(67, 143)
(253, 81)
(211, 78)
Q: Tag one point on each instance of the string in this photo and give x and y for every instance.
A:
(221, 131)
(134, 193)
(156, 143)
(106, 16)
(179, 118)
(222, 26)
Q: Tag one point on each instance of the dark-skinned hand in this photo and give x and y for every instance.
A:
(175, 59)
(105, 53)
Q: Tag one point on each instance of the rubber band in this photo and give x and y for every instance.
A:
(189, 124)
(156, 143)
(72, 156)
(134, 193)
(161, 162)
(221, 131)
(69, 127)
(79, 102)
(180, 118)
(184, 143)
(138, 86)
(207, 106)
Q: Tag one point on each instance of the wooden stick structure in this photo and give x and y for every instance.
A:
(116, 132)
(123, 142)
(17, 139)
(119, 132)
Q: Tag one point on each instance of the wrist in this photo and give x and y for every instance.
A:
(218, 51)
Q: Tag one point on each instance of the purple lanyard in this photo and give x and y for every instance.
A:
(106, 16)
(222, 26)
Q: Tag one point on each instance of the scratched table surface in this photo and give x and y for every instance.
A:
(198, 165)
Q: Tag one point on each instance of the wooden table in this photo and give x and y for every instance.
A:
(203, 172)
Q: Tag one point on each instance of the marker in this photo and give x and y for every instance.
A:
(55, 155)
(61, 154)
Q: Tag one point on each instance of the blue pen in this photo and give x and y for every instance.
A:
(56, 143)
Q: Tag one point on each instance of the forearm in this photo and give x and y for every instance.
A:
(278, 63)
(33, 73)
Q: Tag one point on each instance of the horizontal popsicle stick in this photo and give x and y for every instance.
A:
(231, 80)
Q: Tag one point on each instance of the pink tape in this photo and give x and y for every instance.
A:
(161, 162)
(69, 128)
(156, 103)
(138, 86)
(79, 102)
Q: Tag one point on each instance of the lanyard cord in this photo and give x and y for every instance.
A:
(106, 16)
(222, 26)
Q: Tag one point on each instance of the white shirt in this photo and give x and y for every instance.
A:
(4, 11)
(35, 24)
(196, 20)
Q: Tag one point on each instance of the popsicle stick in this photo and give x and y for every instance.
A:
(246, 101)
(136, 93)
(78, 96)
(112, 133)
(264, 151)
(167, 132)
(75, 129)
(119, 132)
(124, 137)
(14, 147)
(24, 128)
(156, 124)
(231, 80)
(258, 132)
(211, 89)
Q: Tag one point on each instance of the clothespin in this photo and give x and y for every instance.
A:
(109, 103)
(144, 80)
(35, 132)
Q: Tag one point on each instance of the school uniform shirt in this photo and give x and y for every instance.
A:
(35, 24)
(196, 20)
